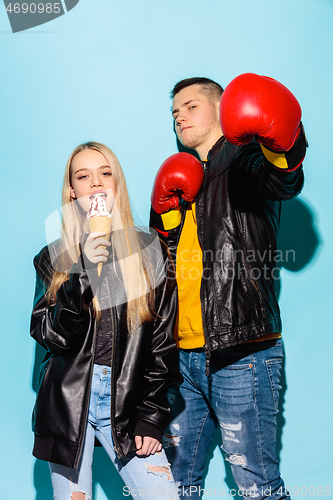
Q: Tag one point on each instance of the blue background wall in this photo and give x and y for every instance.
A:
(103, 72)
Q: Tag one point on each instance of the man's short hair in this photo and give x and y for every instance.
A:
(212, 90)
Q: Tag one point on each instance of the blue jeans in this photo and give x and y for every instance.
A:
(241, 396)
(145, 477)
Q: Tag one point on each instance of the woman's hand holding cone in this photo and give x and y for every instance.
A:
(95, 247)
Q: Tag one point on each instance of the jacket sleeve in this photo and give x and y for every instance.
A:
(161, 370)
(167, 225)
(269, 175)
(58, 326)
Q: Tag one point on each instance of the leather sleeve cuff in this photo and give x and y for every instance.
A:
(88, 276)
(166, 221)
(288, 160)
(144, 428)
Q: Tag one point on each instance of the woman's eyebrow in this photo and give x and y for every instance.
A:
(80, 170)
(87, 168)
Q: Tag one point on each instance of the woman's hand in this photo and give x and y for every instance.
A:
(146, 445)
(94, 248)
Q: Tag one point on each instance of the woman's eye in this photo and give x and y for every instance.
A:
(82, 177)
(107, 173)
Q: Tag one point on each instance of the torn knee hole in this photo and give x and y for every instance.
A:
(235, 459)
(229, 431)
(170, 440)
(159, 470)
(78, 495)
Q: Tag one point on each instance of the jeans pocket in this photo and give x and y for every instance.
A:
(274, 367)
(236, 384)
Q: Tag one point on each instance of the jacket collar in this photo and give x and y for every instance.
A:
(218, 144)
(213, 165)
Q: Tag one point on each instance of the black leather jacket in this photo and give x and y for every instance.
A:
(238, 212)
(67, 331)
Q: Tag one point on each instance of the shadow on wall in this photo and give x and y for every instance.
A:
(297, 238)
(298, 233)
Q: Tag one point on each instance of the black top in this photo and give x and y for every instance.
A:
(104, 327)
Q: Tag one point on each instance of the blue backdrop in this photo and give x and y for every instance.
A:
(103, 71)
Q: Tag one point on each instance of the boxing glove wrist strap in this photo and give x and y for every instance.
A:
(288, 160)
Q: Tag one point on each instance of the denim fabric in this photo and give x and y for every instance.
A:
(241, 396)
(145, 477)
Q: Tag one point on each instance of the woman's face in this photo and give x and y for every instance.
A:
(91, 174)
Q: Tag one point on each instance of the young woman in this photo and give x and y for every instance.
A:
(110, 354)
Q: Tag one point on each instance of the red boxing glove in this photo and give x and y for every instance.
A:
(260, 107)
(180, 175)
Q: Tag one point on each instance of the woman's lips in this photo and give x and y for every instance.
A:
(100, 193)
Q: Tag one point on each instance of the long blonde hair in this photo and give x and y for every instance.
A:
(124, 242)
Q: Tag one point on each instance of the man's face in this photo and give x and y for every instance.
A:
(196, 118)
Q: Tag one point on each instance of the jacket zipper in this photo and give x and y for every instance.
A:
(116, 447)
(254, 283)
(206, 346)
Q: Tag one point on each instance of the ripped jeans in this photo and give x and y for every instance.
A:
(146, 477)
(241, 397)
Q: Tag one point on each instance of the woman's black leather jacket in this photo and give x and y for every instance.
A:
(238, 213)
(144, 363)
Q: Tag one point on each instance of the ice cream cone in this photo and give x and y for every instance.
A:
(100, 223)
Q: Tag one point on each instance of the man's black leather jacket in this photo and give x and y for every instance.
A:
(238, 212)
(144, 363)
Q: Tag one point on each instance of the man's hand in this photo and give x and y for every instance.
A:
(146, 445)
(94, 248)
(180, 175)
(260, 107)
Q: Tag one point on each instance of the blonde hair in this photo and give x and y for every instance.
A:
(125, 243)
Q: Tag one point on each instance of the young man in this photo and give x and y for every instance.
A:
(223, 239)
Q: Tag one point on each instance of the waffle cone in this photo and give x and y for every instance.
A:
(100, 223)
